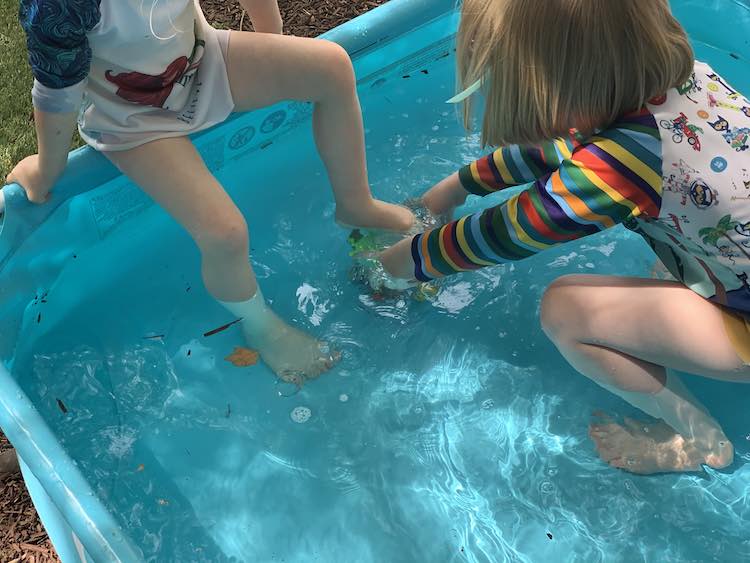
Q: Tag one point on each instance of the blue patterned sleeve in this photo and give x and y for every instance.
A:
(56, 30)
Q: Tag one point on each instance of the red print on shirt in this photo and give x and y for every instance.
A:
(148, 90)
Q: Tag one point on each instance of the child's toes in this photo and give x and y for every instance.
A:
(618, 462)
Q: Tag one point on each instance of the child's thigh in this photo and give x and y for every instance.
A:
(659, 321)
(173, 173)
(264, 69)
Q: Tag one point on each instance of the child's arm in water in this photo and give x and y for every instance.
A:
(265, 15)
(588, 192)
(59, 56)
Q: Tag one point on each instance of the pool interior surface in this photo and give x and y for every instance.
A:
(452, 430)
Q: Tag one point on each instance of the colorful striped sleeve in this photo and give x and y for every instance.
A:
(613, 177)
(514, 166)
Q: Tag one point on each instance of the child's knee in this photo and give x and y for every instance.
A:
(338, 66)
(227, 235)
(561, 308)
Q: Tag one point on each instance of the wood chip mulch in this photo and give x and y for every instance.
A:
(305, 18)
(22, 536)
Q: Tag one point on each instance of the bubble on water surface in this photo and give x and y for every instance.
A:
(547, 488)
(343, 397)
(300, 415)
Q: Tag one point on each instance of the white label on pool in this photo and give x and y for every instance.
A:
(300, 415)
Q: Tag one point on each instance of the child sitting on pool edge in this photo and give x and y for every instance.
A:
(153, 73)
(646, 137)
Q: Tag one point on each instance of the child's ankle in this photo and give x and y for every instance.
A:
(375, 214)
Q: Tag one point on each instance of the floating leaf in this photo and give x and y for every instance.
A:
(243, 357)
(141, 467)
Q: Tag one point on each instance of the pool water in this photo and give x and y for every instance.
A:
(452, 430)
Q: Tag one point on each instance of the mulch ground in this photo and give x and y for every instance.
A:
(306, 18)
(22, 536)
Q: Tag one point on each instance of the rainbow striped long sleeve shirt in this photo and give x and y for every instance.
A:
(667, 171)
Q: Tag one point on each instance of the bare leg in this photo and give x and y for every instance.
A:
(625, 333)
(173, 173)
(264, 69)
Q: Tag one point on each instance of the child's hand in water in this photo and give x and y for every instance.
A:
(30, 175)
(370, 250)
(368, 269)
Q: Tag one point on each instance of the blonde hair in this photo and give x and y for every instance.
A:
(549, 66)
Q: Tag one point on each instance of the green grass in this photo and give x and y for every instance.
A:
(17, 135)
(17, 138)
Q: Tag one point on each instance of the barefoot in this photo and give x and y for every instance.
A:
(377, 215)
(293, 355)
(647, 448)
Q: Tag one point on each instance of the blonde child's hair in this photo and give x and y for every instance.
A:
(549, 66)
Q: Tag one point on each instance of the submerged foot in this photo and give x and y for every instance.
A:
(293, 355)
(378, 215)
(647, 448)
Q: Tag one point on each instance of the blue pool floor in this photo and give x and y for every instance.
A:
(451, 431)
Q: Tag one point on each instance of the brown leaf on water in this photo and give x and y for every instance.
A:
(243, 357)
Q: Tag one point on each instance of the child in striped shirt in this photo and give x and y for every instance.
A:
(645, 136)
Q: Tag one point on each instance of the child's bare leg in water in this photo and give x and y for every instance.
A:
(627, 334)
(264, 69)
(173, 173)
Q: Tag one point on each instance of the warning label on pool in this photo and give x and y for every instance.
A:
(117, 205)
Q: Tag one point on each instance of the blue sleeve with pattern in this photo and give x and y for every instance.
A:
(59, 53)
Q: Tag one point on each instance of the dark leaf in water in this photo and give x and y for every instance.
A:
(221, 328)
